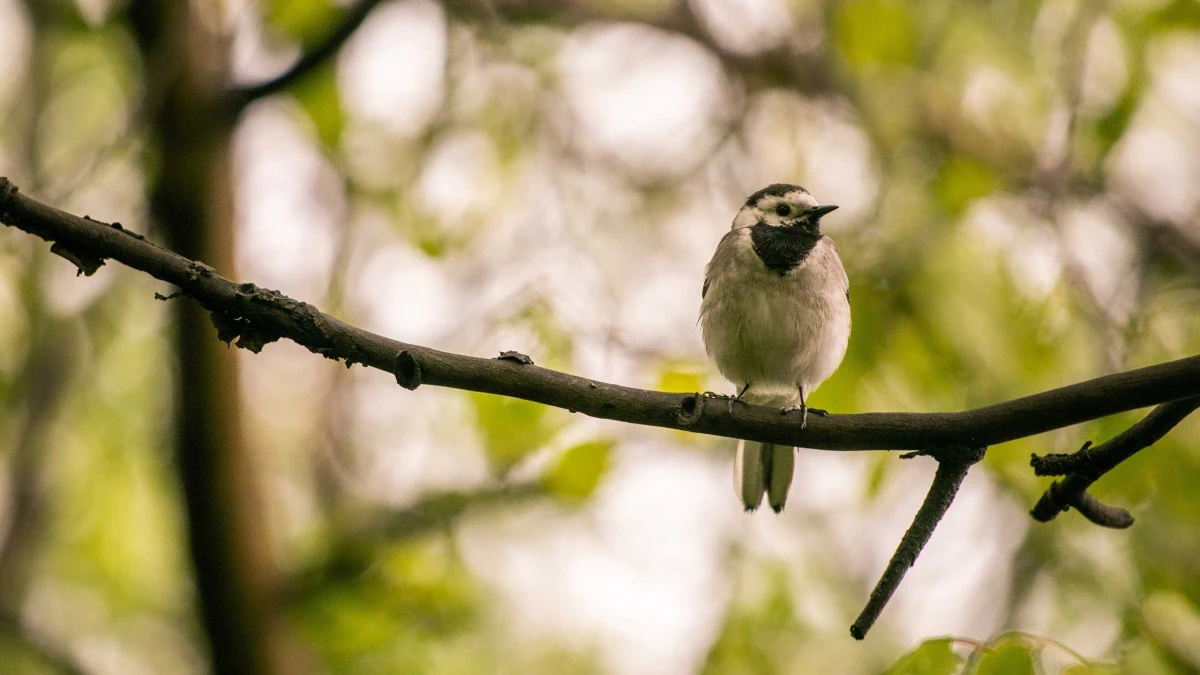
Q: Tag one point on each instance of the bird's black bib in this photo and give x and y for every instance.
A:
(782, 248)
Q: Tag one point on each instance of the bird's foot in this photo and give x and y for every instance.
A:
(737, 399)
(723, 397)
(727, 397)
(804, 410)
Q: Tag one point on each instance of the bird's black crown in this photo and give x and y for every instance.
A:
(774, 190)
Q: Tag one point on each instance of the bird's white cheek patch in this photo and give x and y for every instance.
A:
(745, 218)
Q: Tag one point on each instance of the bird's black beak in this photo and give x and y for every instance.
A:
(821, 211)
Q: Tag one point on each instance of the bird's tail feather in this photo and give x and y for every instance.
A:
(748, 476)
(764, 468)
(783, 464)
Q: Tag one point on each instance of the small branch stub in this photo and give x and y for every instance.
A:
(86, 262)
(690, 409)
(407, 370)
(249, 336)
(7, 192)
(1060, 464)
(1102, 514)
(518, 357)
(1072, 493)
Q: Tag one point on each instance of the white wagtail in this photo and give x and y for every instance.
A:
(775, 317)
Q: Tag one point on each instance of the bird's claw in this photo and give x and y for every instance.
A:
(736, 399)
(805, 410)
(727, 397)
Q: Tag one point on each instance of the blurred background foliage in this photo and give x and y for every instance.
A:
(1020, 192)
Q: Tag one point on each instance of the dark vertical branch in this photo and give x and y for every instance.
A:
(953, 465)
(41, 379)
(41, 382)
(191, 203)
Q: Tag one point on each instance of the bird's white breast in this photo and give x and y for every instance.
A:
(776, 332)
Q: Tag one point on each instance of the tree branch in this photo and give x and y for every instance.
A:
(952, 470)
(1088, 464)
(358, 540)
(442, 509)
(256, 316)
(240, 97)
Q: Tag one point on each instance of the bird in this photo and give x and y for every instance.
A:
(775, 319)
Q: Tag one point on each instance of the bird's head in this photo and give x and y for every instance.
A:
(785, 206)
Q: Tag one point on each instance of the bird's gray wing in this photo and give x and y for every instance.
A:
(845, 278)
(708, 271)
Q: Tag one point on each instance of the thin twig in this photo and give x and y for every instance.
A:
(359, 539)
(443, 509)
(355, 16)
(953, 464)
(810, 71)
(1089, 463)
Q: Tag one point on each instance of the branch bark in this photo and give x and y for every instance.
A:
(255, 316)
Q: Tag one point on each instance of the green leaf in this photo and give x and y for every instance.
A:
(681, 377)
(1174, 16)
(512, 428)
(1174, 623)
(880, 467)
(579, 470)
(1111, 127)
(875, 31)
(308, 21)
(1009, 656)
(961, 180)
(317, 93)
(932, 657)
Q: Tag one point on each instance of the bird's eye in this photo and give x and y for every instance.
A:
(783, 209)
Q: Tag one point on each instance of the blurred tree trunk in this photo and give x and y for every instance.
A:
(41, 374)
(185, 70)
